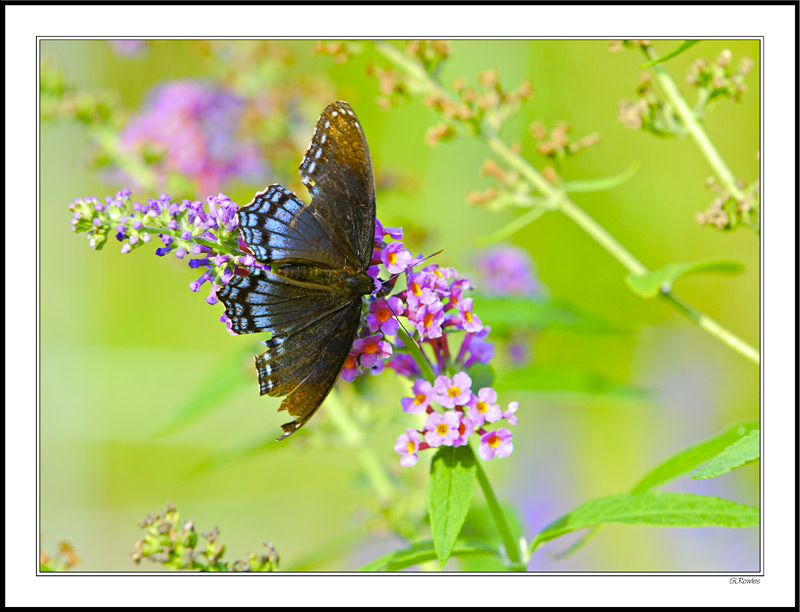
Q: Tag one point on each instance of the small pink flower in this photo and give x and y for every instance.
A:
(423, 396)
(455, 295)
(482, 407)
(465, 430)
(469, 320)
(428, 320)
(371, 349)
(455, 392)
(408, 445)
(380, 315)
(442, 428)
(509, 414)
(395, 233)
(496, 444)
(396, 258)
(441, 276)
(350, 370)
(420, 290)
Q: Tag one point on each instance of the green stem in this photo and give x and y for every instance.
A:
(695, 128)
(714, 328)
(216, 246)
(558, 200)
(416, 353)
(512, 549)
(355, 439)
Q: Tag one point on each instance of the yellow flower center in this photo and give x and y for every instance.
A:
(428, 320)
(454, 392)
(494, 441)
(437, 273)
(350, 363)
(468, 316)
(411, 447)
(454, 300)
(442, 429)
(371, 347)
(391, 258)
(419, 399)
(482, 406)
(415, 289)
(383, 315)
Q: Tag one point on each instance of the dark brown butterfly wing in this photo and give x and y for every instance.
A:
(281, 228)
(313, 319)
(337, 170)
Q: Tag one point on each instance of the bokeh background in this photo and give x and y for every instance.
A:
(124, 343)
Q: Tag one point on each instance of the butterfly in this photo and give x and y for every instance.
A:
(318, 254)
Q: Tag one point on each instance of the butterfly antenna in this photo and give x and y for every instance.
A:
(385, 301)
(393, 276)
(394, 314)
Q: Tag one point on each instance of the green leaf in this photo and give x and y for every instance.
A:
(557, 379)
(655, 509)
(678, 465)
(690, 458)
(503, 313)
(743, 451)
(676, 51)
(602, 184)
(514, 226)
(224, 379)
(420, 552)
(649, 284)
(450, 493)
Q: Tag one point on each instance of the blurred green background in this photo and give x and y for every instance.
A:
(124, 342)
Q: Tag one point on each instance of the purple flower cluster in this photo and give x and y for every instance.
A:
(434, 306)
(197, 131)
(190, 227)
(464, 414)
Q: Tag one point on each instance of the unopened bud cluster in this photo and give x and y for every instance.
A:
(175, 546)
(718, 79)
(727, 212)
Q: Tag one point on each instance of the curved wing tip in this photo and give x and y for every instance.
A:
(289, 429)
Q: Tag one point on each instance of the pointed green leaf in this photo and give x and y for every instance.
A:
(420, 552)
(649, 284)
(686, 44)
(655, 509)
(514, 226)
(743, 451)
(602, 184)
(678, 465)
(450, 492)
(690, 458)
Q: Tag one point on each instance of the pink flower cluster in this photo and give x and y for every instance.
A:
(465, 413)
(433, 304)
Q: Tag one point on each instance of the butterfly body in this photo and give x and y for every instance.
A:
(348, 281)
(318, 254)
